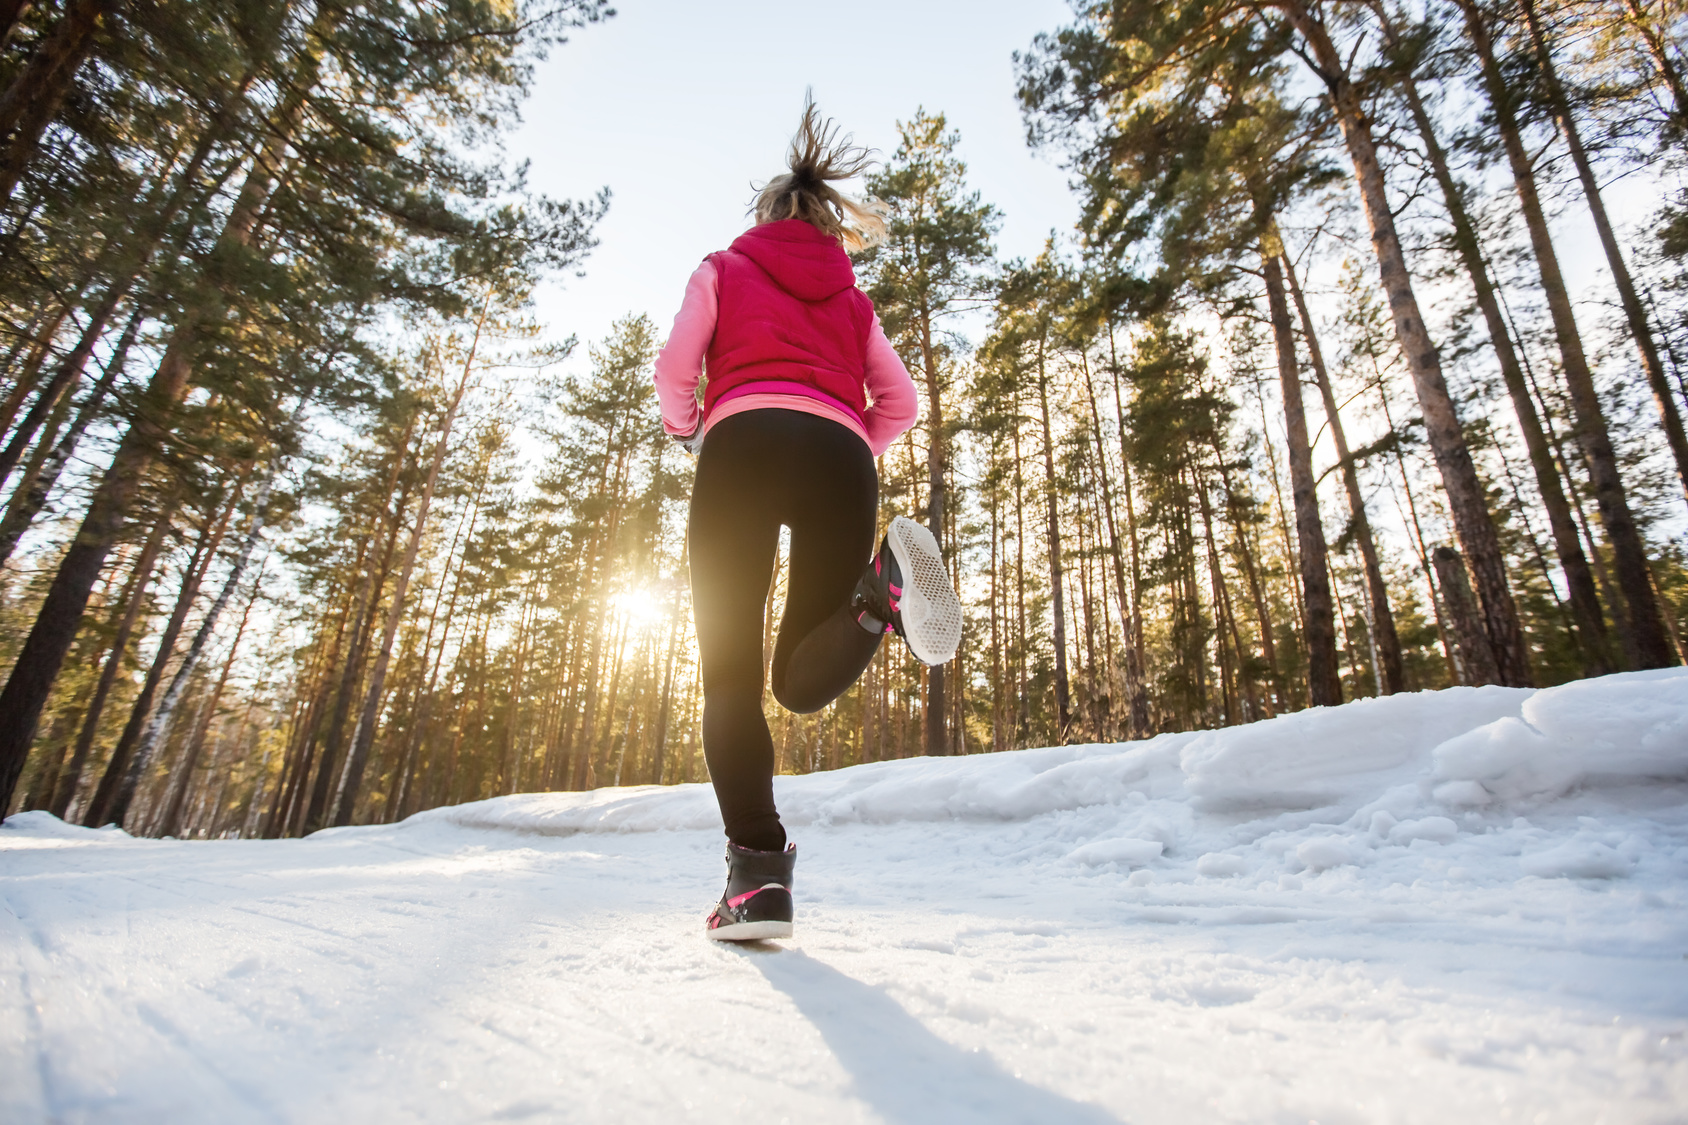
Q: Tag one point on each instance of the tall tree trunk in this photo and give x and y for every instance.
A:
(661, 736)
(134, 597)
(117, 787)
(1579, 579)
(307, 812)
(1256, 588)
(368, 598)
(936, 734)
(1650, 639)
(1466, 498)
(1225, 623)
(29, 104)
(43, 652)
(1475, 653)
(1022, 697)
(1058, 608)
(196, 742)
(1420, 543)
(1658, 46)
(999, 610)
(1644, 640)
(363, 735)
(1291, 559)
(1140, 701)
(424, 707)
(38, 481)
(157, 729)
(40, 346)
(1324, 682)
(1380, 619)
(1133, 683)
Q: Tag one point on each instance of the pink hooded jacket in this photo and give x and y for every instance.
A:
(888, 390)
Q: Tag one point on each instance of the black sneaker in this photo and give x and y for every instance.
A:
(757, 901)
(907, 589)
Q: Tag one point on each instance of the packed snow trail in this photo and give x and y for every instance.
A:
(1454, 906)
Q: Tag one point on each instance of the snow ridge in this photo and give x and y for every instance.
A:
(1444, 753)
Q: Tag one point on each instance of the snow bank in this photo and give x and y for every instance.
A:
(1614, 729)
(1429, 752)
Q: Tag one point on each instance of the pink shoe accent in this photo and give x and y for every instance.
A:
(736, 902)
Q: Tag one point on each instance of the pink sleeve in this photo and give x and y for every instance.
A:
(679, 365)
(893, 402)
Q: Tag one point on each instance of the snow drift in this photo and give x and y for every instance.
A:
(1311, 791)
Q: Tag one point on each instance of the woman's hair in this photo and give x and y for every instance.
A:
(818, 156)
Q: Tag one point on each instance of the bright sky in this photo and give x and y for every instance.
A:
(678, 106)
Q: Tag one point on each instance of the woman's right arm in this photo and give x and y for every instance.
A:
(896, 404)
(679, 365)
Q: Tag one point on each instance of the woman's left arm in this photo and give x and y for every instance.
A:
(679, 365)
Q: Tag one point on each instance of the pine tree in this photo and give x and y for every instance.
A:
(931, 266)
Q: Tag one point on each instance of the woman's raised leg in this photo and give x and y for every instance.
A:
(833, 515)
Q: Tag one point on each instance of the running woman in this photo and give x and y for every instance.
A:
(804, 391)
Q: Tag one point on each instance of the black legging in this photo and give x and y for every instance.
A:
(758, 470)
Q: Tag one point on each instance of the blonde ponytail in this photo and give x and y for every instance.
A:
(818, 157)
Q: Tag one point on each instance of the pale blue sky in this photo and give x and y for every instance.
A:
(677, 106)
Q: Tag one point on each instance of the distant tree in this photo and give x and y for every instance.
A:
(933, 264)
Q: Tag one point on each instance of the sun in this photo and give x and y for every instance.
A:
(640, 606)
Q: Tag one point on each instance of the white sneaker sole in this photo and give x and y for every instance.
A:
(750, 931)
(931, 613)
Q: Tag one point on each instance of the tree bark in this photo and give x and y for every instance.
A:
(1466, 498)
(1133, 684)
(1324, 681)
(40, 345)
(363, 735)
(134, 597)
(1063, 703)
(1381, 619)
(1140, 720)
(936, 733)
(37, 483)
(117, 787)
(1256, 588)
(157, 729)
(1644, 640)
(196, 743)
(661, 736)
(1579, 579)
(29, 104)
(425, 691)
(1475, 652)
(1650, 639)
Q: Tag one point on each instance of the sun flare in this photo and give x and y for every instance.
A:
(640, 606)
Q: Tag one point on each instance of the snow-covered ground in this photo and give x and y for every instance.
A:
(1459, 906)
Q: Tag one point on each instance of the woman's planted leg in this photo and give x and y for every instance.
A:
(734, 538)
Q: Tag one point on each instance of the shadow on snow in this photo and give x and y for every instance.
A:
(907, 1074)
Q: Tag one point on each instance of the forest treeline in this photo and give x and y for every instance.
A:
(1359, 374)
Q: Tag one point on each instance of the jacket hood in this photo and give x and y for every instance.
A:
(803, 261)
